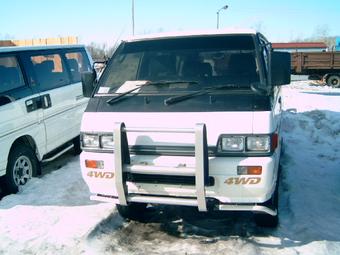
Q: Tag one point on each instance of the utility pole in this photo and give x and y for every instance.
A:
(133, 17)
(218, 15)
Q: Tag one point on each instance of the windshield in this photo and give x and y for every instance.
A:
(182, 64)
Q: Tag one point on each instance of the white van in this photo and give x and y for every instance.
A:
(187, 119)
(41, 104)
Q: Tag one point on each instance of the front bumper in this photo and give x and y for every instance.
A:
(115, 182)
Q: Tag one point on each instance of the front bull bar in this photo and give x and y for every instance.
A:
(201, 170)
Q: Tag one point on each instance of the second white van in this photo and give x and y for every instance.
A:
(41, 104)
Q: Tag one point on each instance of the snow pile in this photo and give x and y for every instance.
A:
(50, 215)
(54, 215)
(311, 169)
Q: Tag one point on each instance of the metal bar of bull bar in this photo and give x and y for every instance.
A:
(122, 157)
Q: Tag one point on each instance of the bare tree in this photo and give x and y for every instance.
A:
(321, 33)
(100, 52)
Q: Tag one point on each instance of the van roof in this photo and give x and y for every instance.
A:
(41, 47)
(229, 31)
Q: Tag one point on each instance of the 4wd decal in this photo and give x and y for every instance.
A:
(96, 174)
(242, 180)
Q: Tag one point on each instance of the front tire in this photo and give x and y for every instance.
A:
(22, 165)
(132, 211)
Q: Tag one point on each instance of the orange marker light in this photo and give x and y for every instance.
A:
(94, 164)
(249, 170)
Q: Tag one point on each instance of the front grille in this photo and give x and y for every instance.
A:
(165, 179)
(168, 150)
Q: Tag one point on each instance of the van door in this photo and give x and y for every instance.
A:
(77, 61)
(20, 113)
(52, 79)
(59, 94)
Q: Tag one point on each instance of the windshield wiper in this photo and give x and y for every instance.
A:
(151, 83)
(121, 95)
(175, 99)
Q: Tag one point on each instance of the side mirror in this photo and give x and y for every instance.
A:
(87, 80)
(100, 65)
(279, 68)
(4, 99)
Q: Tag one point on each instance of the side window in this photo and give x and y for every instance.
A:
(50, 71)
(77, 63)
(10, 74)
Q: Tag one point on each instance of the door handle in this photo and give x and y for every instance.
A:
(32, 104)
(40, 102)
(29, 103)
(46, 101)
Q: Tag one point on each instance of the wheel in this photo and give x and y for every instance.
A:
(76, 145)
(267, 220)
(22, 165)
(334, 81)
(132, 211)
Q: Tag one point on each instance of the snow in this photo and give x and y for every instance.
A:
(53, 214)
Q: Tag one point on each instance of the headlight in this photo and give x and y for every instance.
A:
(247, 144)
(232, 143)
(258, 143)
(106, 141)
(91, 140)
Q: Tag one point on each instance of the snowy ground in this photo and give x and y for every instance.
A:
(53, 215)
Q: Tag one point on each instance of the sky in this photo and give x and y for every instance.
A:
(108, 21)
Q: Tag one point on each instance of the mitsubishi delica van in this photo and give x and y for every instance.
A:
(41, 104)
(190, 119)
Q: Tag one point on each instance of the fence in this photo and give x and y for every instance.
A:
(41, 41)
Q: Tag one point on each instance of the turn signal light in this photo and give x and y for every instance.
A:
(96, 164)
(249, 170)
